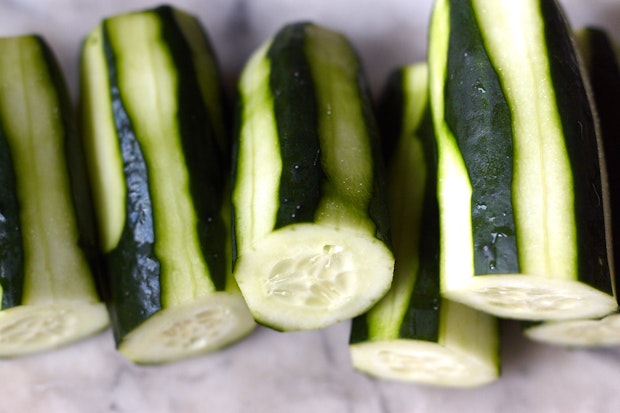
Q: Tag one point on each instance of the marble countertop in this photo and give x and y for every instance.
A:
(271, 372)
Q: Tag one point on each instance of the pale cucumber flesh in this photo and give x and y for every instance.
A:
(28, 329)
(422, 362)
(530, 297)
(308, 276)
(190, 329)
(602, 332)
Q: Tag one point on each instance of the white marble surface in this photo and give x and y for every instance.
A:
(272, 372)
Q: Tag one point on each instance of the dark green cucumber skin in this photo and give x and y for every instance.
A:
(133, 269)
(296, 112)
(297, 127)
(604, 75)
(421, 320)
(422, 317)
(390, 112)
(11, 240)
(478, 115)
(580, 132)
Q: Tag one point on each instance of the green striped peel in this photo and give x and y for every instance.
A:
(157, 149)
(310, 220)
(521, 187)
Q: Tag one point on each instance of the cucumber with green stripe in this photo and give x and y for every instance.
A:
(600, 59)
(522, 192)
(311, 231)
(47, 256)
(157, 150)
(413, 334)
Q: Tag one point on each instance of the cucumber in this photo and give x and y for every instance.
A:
(413, 334)
(603, 68)
(522, 191)
(157, 153)
(311, 230)
(47, 273)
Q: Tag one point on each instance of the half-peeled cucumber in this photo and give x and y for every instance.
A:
(157, 152)
(48, 261)
(522, 187)
(311, 231)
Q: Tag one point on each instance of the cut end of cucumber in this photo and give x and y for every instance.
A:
(578, 333)
(421, 362)
(29, 329)
(187, 330)
(528, 297)
(306, 276)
